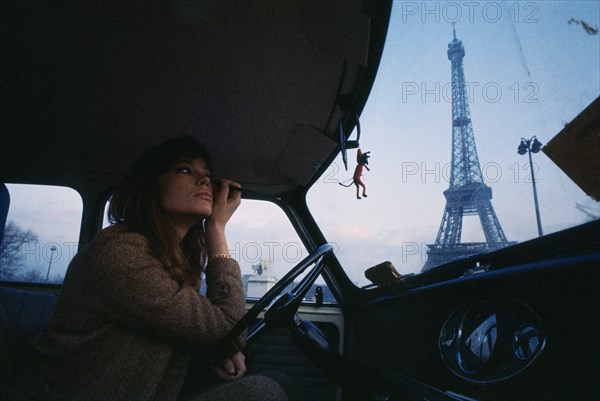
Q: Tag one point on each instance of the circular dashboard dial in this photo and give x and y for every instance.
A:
(491, 340)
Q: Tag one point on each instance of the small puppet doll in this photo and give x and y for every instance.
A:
(362, 160)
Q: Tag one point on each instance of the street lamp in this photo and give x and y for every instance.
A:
(530, 146)
(52, 250)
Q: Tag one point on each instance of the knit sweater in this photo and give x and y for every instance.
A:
(123, 329)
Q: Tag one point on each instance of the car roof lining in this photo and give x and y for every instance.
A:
(88, 86)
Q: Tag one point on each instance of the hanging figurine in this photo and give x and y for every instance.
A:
(362, 160)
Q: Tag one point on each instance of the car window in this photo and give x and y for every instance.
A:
(262, 239)
(513, 74)
(41, 234)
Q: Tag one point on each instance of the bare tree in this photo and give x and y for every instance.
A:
(11, 258)
(32, 276)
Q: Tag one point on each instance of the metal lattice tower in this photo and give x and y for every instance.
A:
(467, 194)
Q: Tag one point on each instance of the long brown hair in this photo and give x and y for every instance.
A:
(135, 204)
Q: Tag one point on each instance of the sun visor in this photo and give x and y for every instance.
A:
(575, 150)
(304, 153)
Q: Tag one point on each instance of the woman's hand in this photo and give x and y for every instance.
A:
(232, 367)
(225, 203)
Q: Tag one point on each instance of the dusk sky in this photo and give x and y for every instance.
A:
(529, 72)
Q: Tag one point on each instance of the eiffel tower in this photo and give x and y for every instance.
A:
(467, 194)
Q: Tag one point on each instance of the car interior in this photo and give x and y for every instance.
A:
(278, 92)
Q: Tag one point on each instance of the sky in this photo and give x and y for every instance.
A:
(529, 72)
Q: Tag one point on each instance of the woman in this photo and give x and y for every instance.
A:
(130, 321)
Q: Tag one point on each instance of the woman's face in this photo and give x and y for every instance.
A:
(186, 193)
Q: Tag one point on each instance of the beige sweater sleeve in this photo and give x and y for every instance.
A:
(130, 287)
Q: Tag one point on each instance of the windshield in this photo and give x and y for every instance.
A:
(465, 95)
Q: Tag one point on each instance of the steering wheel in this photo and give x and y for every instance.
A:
(282, 312)
(284, 308)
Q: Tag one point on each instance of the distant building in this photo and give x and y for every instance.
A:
(257, 284)
(467, 194)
